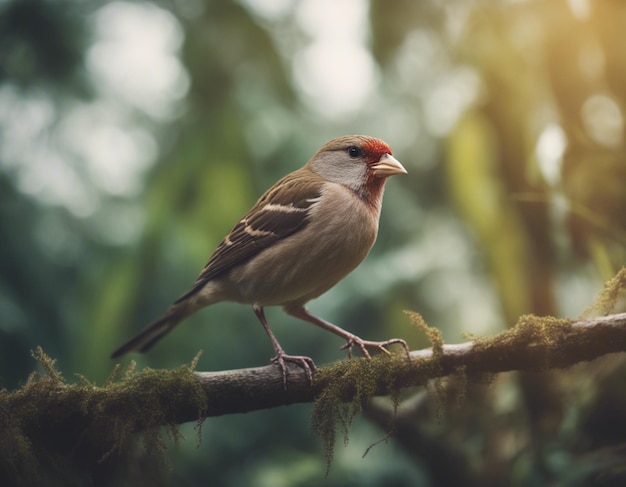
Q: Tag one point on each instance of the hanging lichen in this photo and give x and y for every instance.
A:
(75, 433)
(352, 383)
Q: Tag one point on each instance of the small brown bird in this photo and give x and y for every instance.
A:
(305, 234)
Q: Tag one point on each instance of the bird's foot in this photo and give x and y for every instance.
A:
(305, 362)
(380, 346)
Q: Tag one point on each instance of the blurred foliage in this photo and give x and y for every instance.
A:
(117, 181)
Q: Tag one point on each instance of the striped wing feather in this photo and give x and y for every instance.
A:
(282, 211)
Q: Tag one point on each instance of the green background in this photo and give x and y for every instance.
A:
(133, 135)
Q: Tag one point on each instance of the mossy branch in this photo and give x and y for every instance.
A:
(99, 422)
(533, 344)
(183, 395)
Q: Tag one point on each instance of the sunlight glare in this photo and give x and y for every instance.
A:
(336, 71)
(603, 120)
(550, 148)
(135, 57)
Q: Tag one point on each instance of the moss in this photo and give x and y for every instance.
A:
(609, 298)
(351, 383)
(540, 336)
(433, 334)
(87, 435)
(434, 387)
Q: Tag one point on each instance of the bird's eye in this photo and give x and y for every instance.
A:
(354, 151)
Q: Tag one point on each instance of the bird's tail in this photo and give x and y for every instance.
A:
(152, 333)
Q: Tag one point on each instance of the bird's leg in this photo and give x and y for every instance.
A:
(350, 338)
(281, 357)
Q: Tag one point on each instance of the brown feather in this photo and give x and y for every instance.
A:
(240, 244)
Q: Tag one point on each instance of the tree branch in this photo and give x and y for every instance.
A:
(175, 397)
(534, 344)
(50, 419)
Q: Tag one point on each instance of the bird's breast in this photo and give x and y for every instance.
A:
(340, 233)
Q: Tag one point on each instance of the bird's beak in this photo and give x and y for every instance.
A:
(387, 166)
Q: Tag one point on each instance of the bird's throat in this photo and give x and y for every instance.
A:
(372, 192)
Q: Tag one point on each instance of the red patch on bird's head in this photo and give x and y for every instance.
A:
(375, 149)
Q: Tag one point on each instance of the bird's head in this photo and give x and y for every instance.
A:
(358, 162)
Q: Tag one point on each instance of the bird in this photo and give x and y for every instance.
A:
(304, 234)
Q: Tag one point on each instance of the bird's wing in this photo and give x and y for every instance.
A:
(282, 211)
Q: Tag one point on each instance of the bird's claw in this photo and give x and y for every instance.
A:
(305, 362)
(381, 346)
